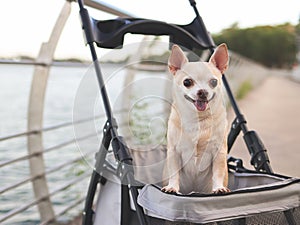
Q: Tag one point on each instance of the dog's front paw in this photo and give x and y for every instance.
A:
(170, 189)
(221, 190)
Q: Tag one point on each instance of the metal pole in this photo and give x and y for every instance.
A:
(90, 41)
(119, 147)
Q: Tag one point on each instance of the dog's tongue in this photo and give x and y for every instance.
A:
(200, 105)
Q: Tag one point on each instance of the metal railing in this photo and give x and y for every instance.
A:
(82, 178)
(24, 207)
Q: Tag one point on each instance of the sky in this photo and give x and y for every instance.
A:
(26, 24)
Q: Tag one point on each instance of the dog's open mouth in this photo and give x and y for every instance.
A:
(200, 104)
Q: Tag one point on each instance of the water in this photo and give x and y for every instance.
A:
(66, 99)
(15, 82)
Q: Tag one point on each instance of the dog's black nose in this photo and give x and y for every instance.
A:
(202, 93)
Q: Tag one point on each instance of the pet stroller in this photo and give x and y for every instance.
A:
(257, 196)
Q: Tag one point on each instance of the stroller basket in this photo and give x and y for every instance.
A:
(257, 197)
(243, 204)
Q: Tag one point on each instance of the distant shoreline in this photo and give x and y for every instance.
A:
(62, 63)
(54, 63)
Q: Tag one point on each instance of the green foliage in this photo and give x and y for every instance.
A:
(272, 46)
(244, 89)
(140, 121)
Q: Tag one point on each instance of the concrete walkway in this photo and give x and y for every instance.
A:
(273, 110)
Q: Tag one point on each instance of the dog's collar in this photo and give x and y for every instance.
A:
(193, 101)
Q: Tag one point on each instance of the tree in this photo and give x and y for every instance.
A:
(273, 46)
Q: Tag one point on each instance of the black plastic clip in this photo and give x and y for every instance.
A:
(258, 152)
(240, 119)
(238, 164)
(109, 125)
(122, 171)
(86, 23)
(236, 128)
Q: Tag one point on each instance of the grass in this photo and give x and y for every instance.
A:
(244, 89)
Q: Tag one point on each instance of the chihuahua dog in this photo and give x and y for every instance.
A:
(197, 126)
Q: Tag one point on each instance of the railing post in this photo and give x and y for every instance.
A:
(35, 115)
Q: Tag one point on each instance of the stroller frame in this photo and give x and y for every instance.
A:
(191, 36)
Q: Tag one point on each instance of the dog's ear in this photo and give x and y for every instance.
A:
(176, 59)
(220, 58)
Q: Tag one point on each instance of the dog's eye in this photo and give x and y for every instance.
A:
(213, 82)
(188, 82)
